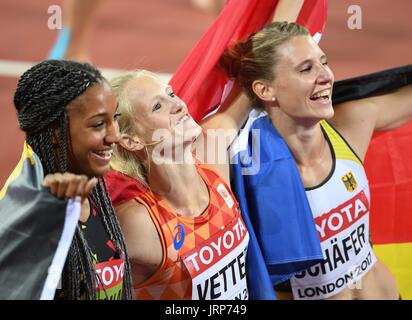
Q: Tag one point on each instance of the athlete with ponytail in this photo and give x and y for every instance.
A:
(68, 112)
(321, 148)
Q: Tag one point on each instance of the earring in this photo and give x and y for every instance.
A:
(273, 99)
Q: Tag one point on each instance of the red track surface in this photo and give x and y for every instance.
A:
(157, 35)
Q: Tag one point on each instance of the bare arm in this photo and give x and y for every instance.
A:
(142, 240)
(287, 10)
(234, 111)
(358, 119)
(221, 128)
(394, 109)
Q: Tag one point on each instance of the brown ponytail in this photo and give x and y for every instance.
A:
(256, 57)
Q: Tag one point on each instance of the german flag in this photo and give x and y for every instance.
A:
(388, 166)
(36, 230)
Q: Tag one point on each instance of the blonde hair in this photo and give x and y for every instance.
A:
(124, 160)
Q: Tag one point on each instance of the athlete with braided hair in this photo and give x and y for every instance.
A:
(68, 112)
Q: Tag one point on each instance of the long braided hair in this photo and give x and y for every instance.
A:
(41, 97)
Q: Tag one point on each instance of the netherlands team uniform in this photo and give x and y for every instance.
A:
(203, 257)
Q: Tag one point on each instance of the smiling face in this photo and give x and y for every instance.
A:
(303, 81)
(157, 107)
(93, 130)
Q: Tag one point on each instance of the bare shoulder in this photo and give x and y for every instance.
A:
(142, 239)
(132, 212)
(355, 121)
(211, 149)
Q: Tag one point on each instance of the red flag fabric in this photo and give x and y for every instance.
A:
(391, 184)
(388, 166)
(199, 81)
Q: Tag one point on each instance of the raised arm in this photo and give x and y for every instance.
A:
(221, 128)
(394, 109)
(287, 10)
(358, 119)
(232, 113)
(236, 107)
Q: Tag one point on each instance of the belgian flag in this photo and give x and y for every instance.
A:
(36, 230)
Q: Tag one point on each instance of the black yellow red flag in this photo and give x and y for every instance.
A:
(36, 230)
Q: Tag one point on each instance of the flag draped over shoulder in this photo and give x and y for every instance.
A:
(199, 81)
(36, 230)
(201, 84)
(267, 184)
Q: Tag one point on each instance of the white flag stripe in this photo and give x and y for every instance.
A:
(56, 268)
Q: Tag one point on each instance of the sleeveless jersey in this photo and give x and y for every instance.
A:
(109, 261)
(340, 207)
(204, 258)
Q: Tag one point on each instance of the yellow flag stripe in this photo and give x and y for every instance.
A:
(27, 153)
(398, 258)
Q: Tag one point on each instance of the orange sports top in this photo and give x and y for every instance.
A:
(203, 257)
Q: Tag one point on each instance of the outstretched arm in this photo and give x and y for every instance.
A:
(357, 120)
(394, 109)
